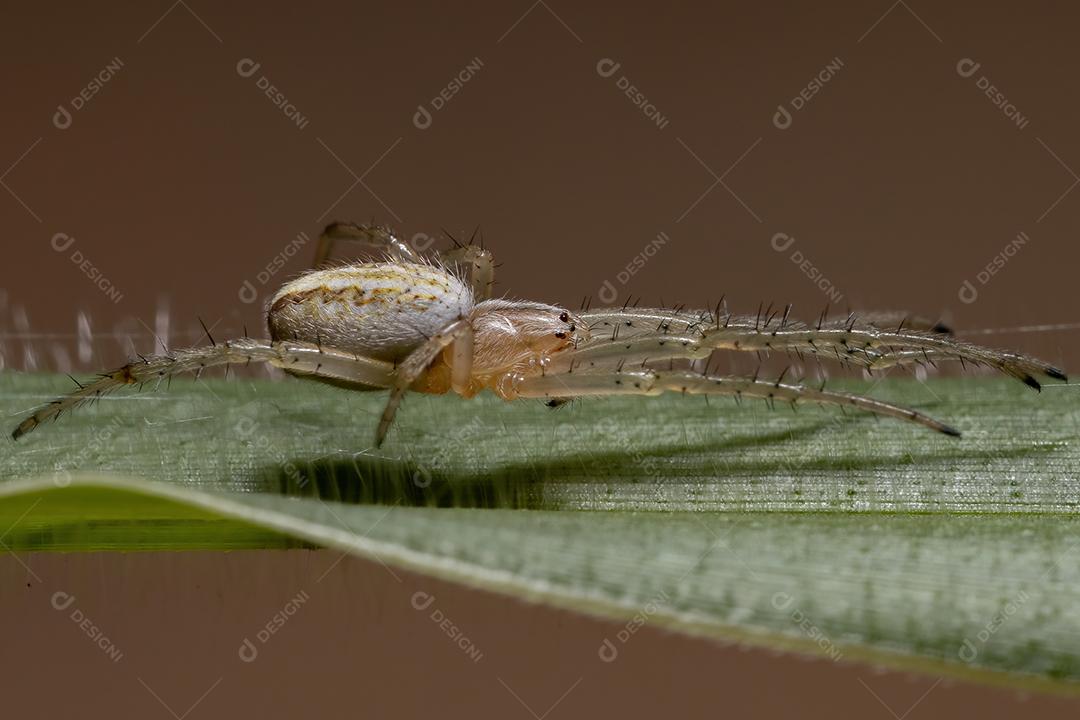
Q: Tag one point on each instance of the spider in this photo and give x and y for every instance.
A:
(409, 323)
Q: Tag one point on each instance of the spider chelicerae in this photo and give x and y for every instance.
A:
(410, 323)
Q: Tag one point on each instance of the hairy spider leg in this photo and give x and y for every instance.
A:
(855, 341)
(475, 263)
(458, 334)
(375, 237)
(297, 357)
(470, 261)
(652, 382)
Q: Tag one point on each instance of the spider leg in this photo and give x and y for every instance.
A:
(651, 382)
(639, 348)
(866, 344)
(295, 357)
(902, 358)
(852, 341)
(378, 238)
(477, 264)
(630, 322)
(458, 334)
(892, 319)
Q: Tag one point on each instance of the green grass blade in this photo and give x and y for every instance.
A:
(835, 535)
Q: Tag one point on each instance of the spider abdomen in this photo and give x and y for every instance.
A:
(380, 310)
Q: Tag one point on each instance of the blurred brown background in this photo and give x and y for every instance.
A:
(891, 152)
(899, 179)
(351, 643)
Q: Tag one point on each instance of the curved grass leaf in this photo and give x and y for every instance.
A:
(834, 535)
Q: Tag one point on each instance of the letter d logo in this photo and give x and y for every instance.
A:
(607, 67)
(62, 241)
(968, 294)
(607, 292)
(248, 652)
(782, 118)
(967, 67)
(422, 118)
(62, 600)
(248, 294)
(247, 67)
(781, 241)
(61, 118)
(422, 600)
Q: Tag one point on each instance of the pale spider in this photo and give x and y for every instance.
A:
(408, 323)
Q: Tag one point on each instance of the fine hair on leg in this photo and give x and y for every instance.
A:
(296, 357)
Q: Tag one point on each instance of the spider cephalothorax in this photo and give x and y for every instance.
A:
(406, 323)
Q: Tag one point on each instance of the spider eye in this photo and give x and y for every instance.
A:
(560, 335)
(564, 317)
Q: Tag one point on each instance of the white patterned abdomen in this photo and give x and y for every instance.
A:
(381, 310)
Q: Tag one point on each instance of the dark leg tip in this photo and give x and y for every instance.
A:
(950, 431)
(1057, 374)
(1032, 382)
(24, 427)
